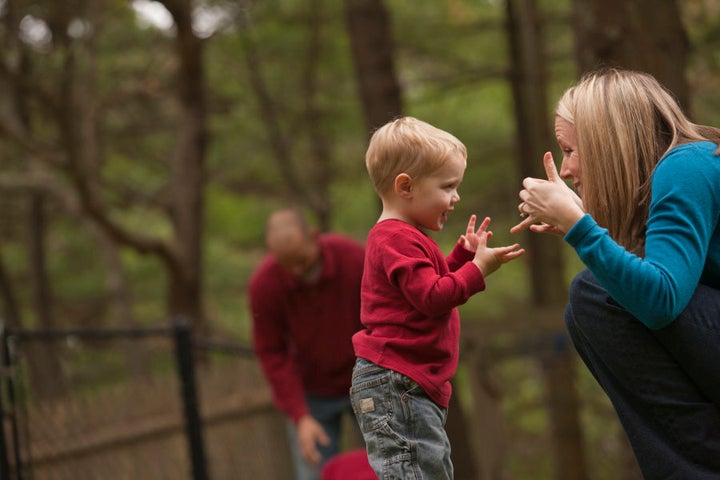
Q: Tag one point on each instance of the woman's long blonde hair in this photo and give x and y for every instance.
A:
(625, 122)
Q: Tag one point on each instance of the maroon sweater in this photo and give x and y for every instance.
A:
(302, 332)
(409, 300)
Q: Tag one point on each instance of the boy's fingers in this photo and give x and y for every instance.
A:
(471, 224)
(483, 226)
(508, 252)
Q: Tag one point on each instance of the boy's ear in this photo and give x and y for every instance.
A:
(403, 185)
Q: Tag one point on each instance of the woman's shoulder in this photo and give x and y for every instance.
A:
(689, 168)
(692, 155)
(695, 148)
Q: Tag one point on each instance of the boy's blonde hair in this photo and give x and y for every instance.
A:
(411, 146)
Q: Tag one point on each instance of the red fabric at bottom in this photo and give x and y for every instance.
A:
(352, 465)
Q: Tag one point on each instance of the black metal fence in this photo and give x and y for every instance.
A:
(159, 403)
(180, 350)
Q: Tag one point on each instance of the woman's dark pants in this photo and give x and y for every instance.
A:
(664, 384)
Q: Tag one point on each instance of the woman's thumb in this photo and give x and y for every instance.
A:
(550, 168)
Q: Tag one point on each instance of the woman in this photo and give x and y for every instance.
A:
(645, 315)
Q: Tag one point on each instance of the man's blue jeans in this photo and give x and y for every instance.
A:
(404, 430)
(664, 384)
(328, 411)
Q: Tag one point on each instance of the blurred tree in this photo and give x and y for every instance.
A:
(68, 149)
(645, 35)
(548, 289)
(372, 46)
(183, 256)
(702, 18)
(298, 131)
(45, 374)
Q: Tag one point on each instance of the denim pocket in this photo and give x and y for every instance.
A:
(370, 395)
(396, 416)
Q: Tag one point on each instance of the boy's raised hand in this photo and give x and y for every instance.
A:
(470, 240)
(487, 259)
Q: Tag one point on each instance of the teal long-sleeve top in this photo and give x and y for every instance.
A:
(682, 246)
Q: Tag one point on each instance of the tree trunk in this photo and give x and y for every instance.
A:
(528, 80)
(529, 86)
(372, 48)
(10, 311)
(563, 406)
(645, 35)
(487, 418)
(188, 175)
(45, 371)
(462, 455)
(320, 149)
(46, 376)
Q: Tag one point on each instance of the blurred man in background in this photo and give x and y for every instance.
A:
(305, 305)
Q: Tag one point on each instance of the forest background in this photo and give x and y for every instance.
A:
(143, 143)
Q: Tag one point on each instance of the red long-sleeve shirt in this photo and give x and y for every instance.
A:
(409, 300)
(302, 331)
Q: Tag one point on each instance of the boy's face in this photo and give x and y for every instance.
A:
(435, 195)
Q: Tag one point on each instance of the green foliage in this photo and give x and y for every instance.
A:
(452, 63)
(73, 247)
(235, 220)
(357, 207)
(702, 20)
(148, 288)
(227, 273)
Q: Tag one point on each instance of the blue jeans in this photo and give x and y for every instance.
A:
(328, 411)
(664, 384)
(404, 430)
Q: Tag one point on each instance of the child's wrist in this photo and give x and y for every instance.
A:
(479, 266)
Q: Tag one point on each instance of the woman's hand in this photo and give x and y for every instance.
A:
(549, 206)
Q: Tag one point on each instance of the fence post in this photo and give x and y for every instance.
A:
(188, 390)
(11, 411)
(4, 453)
